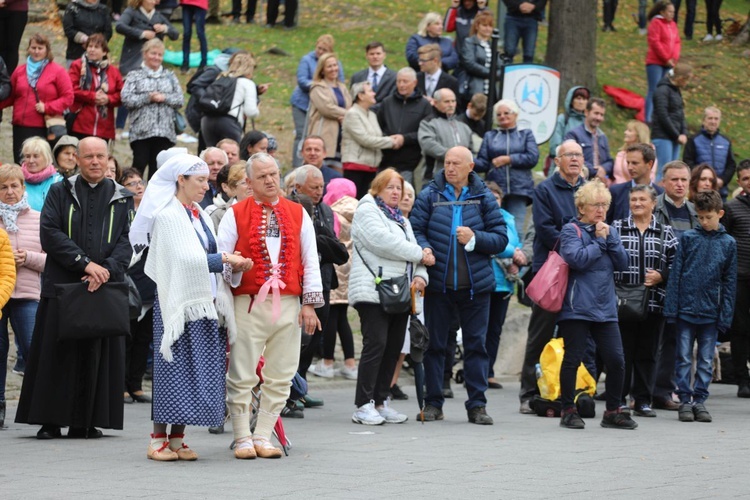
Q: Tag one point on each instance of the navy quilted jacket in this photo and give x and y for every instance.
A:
(432, 220)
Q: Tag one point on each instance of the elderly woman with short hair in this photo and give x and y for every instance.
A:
(39, 170)
(508, 154)
(362, 139)
(593, 251)
(384, 243)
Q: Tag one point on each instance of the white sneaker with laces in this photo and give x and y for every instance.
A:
(349, 373)
(320, 369)
(390, 415)
(718, 38)
(367, 415)
(708, 38)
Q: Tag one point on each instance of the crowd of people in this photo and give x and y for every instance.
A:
(240, 279)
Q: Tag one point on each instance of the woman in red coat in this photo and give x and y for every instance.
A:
(96, 85)
(40, 87)
(663, 48)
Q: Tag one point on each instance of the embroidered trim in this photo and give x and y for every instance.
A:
(312, 298)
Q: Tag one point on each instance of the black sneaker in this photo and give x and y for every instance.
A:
(644, 411)
(743, 391)
(479, 416)
(700, 413)
(430, 414)
(618, 420)
(398, 394)
(291, 410)
(685, 413)
(572, 420)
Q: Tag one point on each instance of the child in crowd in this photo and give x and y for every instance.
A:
(700, 298)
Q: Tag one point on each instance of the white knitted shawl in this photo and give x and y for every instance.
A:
(177, 264)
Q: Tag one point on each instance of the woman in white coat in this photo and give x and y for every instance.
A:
(362, 139)
(383, 241)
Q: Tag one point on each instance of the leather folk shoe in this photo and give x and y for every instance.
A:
(264, 448)
(245, 450)
(161, 453)
(479, 416)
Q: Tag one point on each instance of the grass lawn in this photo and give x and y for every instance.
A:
(720, 70)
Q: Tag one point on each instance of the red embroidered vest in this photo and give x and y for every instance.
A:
(252, 225)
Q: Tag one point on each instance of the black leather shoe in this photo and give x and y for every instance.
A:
(219, 429)
(743, 391)
(81, 433)
(479, 416)
(141, 398)
(291, 410)
(48, 432)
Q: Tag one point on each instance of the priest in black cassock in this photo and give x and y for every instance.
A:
(84, 230)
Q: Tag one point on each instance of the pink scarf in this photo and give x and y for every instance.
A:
(37, 177)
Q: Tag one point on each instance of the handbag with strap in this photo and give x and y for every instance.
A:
(550, 283)
(632, 299)
(55, 125)
(92, 315)
(394, 293)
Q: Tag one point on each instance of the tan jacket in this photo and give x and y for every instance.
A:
(362, 139)
(344, 210)
(324, 112)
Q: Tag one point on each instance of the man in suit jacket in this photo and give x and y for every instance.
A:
(432, 77)
(382, 80)
(640, 160)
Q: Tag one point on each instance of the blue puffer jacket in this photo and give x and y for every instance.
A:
(703, 278)
(591, 282)
(521, 146)
(501, 283)
(433, 222)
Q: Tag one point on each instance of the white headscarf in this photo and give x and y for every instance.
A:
(159, 192)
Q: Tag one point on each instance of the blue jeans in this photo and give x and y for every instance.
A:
(654, 74)
(520, 28)
(516, 205)
(22, 316)
(687, 334)
(666, 151)
(642, 14)
(192, 14)
(473, 314)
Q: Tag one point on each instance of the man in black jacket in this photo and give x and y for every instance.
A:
(5, 88)
(401, 113)
(84, 231)
(737, 223)
(432, 77)
(382, 80)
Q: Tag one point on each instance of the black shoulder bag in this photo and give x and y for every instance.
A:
(394, 293)
(632, 300)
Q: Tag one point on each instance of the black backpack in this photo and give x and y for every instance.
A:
(217, 99)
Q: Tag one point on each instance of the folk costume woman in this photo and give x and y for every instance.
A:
(190, 358)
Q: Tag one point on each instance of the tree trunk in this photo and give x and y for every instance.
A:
(571, 46)
(744, 34)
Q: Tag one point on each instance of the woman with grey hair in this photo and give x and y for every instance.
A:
(651, 247)
(362, 139)
(508, 155)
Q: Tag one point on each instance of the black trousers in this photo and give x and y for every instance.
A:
(665, 382)
(361, 180)
(252, 5)
(136, 351)
(382, 339)
(145, 151)
(541, 329)
(689, 16)
(313, 347)
(20, 134)
(610, 8)
(740, 332)
(217, 128)
(713, 19)
(12, 25)
(640, 343)
(290, 12)
(338, 322)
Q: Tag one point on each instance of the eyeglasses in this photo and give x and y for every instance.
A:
(422, 61)
(572, 155)
(598, 206)
(134, 184)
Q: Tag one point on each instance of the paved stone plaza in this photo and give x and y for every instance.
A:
(519, 457)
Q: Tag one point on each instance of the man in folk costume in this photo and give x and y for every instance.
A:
(279, 237)
(84, 231)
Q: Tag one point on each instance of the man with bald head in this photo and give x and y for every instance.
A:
(78, 383)
(401, 113)
(457, 223)
(444, 131)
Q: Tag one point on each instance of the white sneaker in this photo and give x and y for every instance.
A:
(320, 369)
(186, 138)
(390, 415)
(125, 135)
(367, 415)
(349, 373)
(718, 38)
(642, 31)
(708, 38)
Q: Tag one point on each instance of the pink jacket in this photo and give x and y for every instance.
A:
(54, 89)
(28, 279)
(663, 42)
(201, 4)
